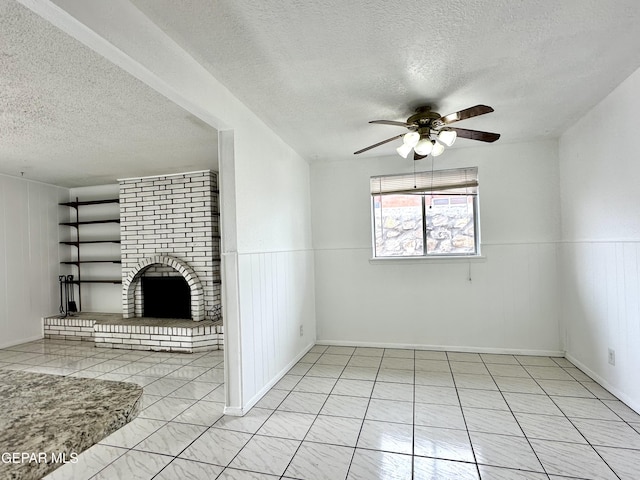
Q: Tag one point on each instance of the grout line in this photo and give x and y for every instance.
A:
(512, 413)
(464, 418)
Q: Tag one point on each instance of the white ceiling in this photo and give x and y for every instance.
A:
(316, 72)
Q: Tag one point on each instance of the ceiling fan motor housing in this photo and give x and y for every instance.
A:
(423, 117)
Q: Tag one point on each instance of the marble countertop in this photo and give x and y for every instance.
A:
(48, 419)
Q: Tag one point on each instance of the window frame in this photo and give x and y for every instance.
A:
(424, 193)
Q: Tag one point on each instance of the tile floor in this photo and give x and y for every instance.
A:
(354, 413)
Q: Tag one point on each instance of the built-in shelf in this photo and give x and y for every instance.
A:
(78, 225)
(77, 204)
(82, 242)
(76, 262)
(95, 281)
(91, 222)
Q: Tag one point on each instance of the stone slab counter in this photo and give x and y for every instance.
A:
(47, 420)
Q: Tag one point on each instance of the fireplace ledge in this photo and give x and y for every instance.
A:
(111, 330)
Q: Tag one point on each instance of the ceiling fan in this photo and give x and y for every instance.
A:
(425, 123)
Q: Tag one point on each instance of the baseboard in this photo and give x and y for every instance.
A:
(234, 411)
(23, 340)
(629, 402)
(241, 411)
(447, 348)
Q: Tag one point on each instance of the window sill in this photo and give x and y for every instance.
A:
(434, 259)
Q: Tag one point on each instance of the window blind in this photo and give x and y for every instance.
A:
(462, 181)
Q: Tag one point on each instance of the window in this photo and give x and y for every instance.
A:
(426, 214)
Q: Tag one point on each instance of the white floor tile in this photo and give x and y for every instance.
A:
(133, 433)
(585, 408)
(443, 443)
(227, 445)
(303, 402)
(444, 416)
(482, 399)
(369, 352)
(134, 464)
(339, 350)
(266, 455)
(491, 421)
(315, 385)
(430, 355)
(572, 460)
(343, 406)
(249, 423)
(369, 465)
(320, 462)
(234, 474)
(364, 361)
(433, 469)
(529, 403)
(623, 462)
(609, 434)
(335, 430)
(436, 395)
(393, 375)
(387, 437)
(287, 425)
(201, 413)
(549, 427)
(359, 373)
(469, 367)
(390, 411)
(353, 388)
(89, 463)
(393, 391)
(504, 451)
(188, 470)
(171, 439)
(498, 473)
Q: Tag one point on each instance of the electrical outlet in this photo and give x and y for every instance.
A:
(612, 356)
(301, 330)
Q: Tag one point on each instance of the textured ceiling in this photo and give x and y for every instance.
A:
(316, 72)
(71, 118)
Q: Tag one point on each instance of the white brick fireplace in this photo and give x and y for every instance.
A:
(169, 227)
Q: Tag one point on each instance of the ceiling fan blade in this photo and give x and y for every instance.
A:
(476, 135)
(378, 144)
(466, 113)
(418, 157)
(391, 122)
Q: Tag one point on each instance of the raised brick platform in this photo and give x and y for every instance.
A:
(110, 330)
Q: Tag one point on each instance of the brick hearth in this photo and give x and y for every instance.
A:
(111, 330)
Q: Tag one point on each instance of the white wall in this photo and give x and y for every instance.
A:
(600, 255)
(275, 261)
(98, 297)
(29, 257)
(511, 302)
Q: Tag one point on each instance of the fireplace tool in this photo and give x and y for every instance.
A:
(71, 303)
(67, 300)
(62, 280)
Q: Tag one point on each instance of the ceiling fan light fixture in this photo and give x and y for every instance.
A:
(404, 150)
(447, 137)
(424, 146)
(438, 149)
(411, 139)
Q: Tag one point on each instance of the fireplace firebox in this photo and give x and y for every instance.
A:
(166, 297)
